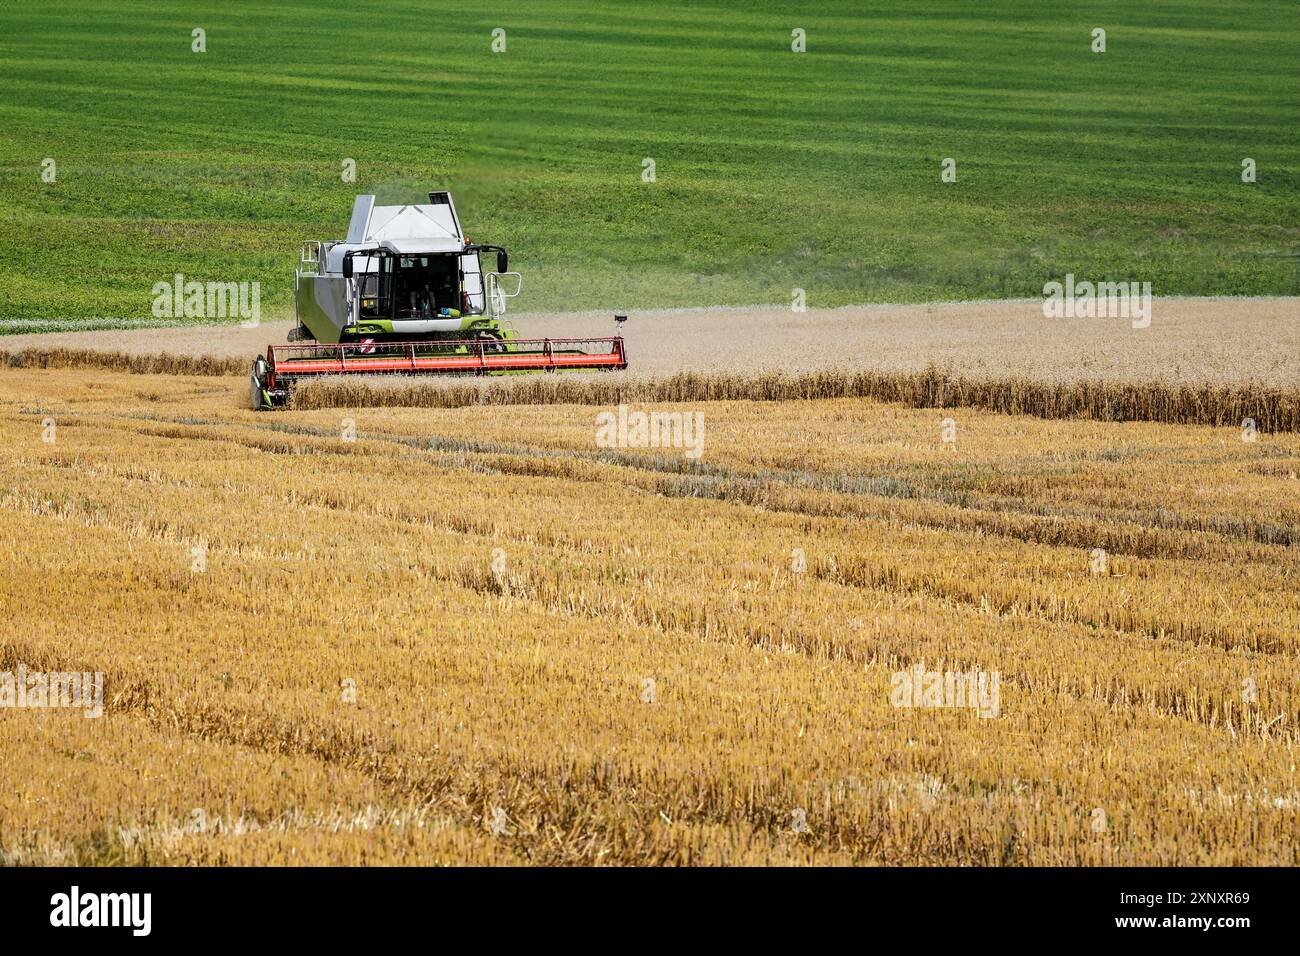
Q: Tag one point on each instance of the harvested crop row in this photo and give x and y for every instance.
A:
(1272, 409)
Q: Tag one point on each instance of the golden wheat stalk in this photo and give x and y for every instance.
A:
(162, 363)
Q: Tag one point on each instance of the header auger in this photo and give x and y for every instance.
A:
(405, 293)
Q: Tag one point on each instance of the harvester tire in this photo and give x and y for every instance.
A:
(258, 396)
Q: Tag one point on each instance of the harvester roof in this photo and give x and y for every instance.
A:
(414, 229)
(405, 230)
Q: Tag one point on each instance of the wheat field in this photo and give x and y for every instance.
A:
(1218, 341)
(475, 635)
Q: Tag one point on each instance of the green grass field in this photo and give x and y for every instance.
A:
(775, 169)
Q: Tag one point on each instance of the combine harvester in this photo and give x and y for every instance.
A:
(405, 294)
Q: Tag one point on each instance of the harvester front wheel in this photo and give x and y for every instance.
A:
(258, 396)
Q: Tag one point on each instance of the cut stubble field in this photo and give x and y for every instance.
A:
(473, 635)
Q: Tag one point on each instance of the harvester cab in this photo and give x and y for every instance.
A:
(406, 293)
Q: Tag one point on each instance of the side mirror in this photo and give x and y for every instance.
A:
(503, 261)
(347, 267)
